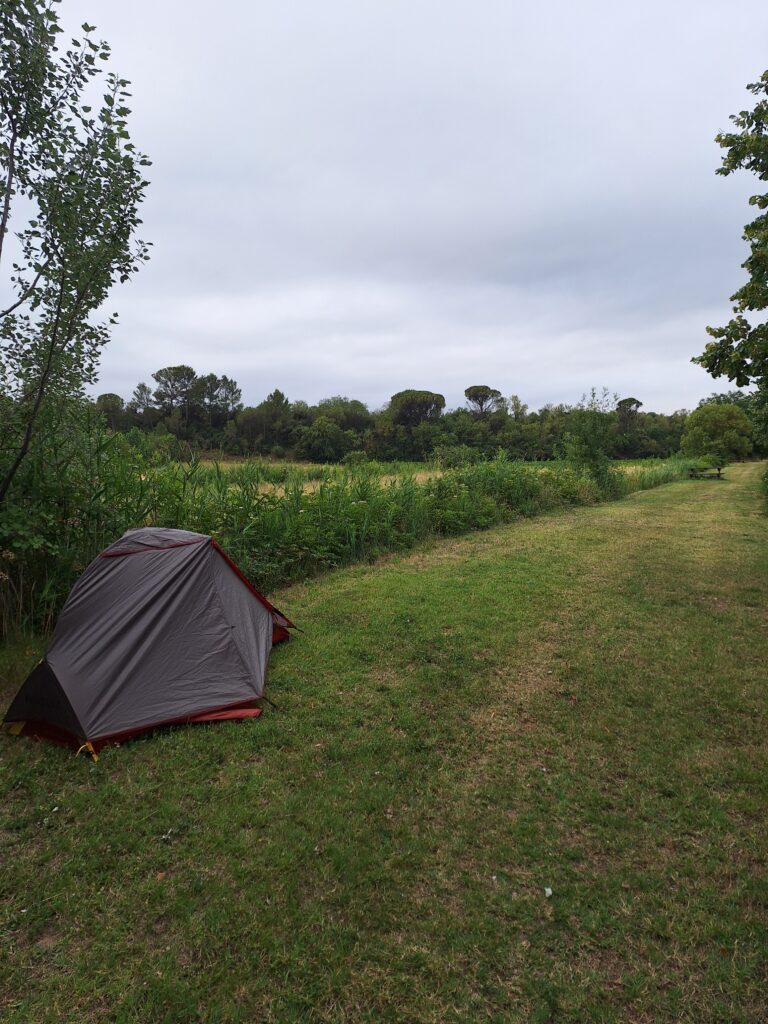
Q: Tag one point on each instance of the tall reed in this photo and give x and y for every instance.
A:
(280, 523)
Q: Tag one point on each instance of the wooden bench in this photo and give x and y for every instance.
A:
(705, 474)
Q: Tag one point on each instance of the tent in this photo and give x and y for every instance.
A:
(161, 628)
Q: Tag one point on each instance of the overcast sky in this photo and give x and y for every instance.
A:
(359, 197)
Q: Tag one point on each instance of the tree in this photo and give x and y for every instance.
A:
(588, 437)
(719, 430)
(205, 395)
(481, 399)
(229, 396)
(626, 412)
(627, 423)
(755, 406)
(349, 413)
(141, 399)
(324, 441)
(740, 398)
(217, 397)
(270, 424)
(301, 413)
(740, 349)
(112, 408)
(657, 434)
(410, 407)
(77, 176)
(517, 408)
(175, 387)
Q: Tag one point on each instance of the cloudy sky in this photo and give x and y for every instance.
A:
(358, 196)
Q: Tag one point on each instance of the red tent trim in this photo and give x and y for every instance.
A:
(54, 734)
(250, 586)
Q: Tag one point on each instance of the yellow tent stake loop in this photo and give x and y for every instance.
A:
(89, 747)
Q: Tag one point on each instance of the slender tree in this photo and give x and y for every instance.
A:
(74, 172)
(517, 408)
(230, 396)
(142, 398)
(207, 392)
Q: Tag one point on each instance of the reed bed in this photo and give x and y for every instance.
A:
(308, 520)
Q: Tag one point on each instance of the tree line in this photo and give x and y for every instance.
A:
(205, 412)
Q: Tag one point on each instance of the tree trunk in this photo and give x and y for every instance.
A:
(8, 186)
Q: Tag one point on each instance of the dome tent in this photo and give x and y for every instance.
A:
(161, 628)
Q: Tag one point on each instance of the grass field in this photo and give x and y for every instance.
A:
(574, 703)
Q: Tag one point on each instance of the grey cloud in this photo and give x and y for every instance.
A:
(361, 197)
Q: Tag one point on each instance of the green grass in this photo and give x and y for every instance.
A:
(575, 702)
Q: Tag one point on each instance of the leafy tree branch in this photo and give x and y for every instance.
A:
(76, 175)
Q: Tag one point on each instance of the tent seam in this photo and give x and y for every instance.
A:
(232, 637)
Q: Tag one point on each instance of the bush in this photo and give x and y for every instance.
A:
(355, 458)
(453, 456)
(69, 500)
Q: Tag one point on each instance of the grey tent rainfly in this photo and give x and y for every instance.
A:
(162, 628)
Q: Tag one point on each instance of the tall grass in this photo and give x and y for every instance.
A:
(276, 526)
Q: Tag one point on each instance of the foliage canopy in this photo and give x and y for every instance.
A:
(482, 399)
(718, 429)
(740, 348)
(411, 407)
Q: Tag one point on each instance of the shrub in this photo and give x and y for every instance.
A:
(355, 458)
(453, 456)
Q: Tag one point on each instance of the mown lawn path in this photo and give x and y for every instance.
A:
(575, 703)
